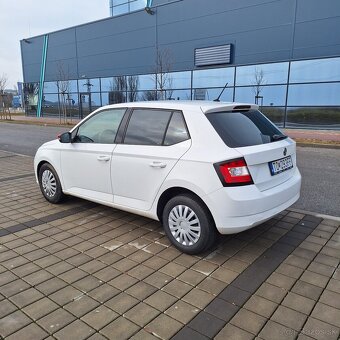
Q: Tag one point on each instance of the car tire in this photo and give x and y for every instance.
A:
(50, 184)
(188, 224)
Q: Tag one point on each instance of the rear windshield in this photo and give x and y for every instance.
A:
(244, 128)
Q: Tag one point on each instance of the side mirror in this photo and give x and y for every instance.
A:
(65, 137)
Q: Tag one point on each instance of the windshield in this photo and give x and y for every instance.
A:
(244, 128)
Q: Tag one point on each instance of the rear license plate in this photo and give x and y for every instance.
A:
(280, 165)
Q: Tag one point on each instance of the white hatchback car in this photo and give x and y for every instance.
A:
(198, 167)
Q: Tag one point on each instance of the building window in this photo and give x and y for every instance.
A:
(118, 7)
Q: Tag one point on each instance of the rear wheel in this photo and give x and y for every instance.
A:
(50, 184)
(189, 224)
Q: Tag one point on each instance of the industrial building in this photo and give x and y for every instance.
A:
(282, 54)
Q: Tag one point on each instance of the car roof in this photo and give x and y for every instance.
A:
(205, 106)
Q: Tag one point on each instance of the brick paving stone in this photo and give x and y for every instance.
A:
(297, 261)
(56, 320)
(289, 270)
(177, 288)
(289, 317)
(140, 272)
(306, 289)
(204, 267)
(321, 269)
(6, 307)
(299, 303)
(120, 328)
(141, 314)
(271, 292)
(121, 303)
(14, 287)
(222, 309)
(158, 279)
(141, 290)
(26, 297)
(103, 293)
(76, 330)
(281, 281)
(51, 286)
(248, 321)
(172, 269)
(327, 260)
(211, 285)
(314, 279)
(92, 266)
(235, 265)
(81, 305)
(13, 322)
(160, 300)
(232, 332)
(273, 330)
(260, 306)
(191, 277)
(334, 285)
(30, 332)
(182, 311)
(47, 261)
(320, 330)
(87, 283)
(206, 324)
(123, 281)
(65, 295)
(330, 298)
(327, 314)
(224, 275)
(163, 326)
(40, 308)
(198, 298)
(100, 317)
(143, 335)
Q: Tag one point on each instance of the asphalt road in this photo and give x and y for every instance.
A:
(320, 167)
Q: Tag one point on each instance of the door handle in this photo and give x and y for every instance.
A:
(103, 158)
(157, 165)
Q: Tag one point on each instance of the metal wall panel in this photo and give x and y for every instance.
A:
(260, 31)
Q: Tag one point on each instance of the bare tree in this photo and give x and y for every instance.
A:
(117, 90)
(150, 95)
(4, 98)
(63, 85)
(162, 74)
(259, 81)
(132, 87)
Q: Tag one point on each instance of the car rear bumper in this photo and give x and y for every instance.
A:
(240, 208)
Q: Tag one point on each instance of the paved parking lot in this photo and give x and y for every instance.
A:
(83, 271)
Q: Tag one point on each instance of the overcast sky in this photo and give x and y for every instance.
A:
(26, 18)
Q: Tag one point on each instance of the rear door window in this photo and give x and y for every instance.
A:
(244, 128)
(147, 127)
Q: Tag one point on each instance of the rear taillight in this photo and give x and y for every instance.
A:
(234, 172)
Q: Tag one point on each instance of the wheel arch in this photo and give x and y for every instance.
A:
(175, 191)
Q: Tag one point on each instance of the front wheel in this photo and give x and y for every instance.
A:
(50, 184)
(189, 224)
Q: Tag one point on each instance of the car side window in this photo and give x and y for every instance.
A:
(101, 128)
(147, 127)
(177, 131)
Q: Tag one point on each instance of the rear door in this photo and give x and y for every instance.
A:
(270, 155)
(154, 141)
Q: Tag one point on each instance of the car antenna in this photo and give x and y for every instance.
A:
(218, 98)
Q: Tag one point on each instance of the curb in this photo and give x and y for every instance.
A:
(319, 145)
(24, 122)
(306, 212)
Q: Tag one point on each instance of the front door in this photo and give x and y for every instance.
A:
(86, 162)
(154, 142)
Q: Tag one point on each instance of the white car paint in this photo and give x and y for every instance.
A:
(134, 177)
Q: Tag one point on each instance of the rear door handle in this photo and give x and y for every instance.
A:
(157, 165)
(103, 158)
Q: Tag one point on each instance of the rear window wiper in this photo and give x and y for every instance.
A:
(278, 137)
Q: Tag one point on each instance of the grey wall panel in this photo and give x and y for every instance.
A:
(55, 69)
(308, 10)
(317, 38)
(115, 63)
